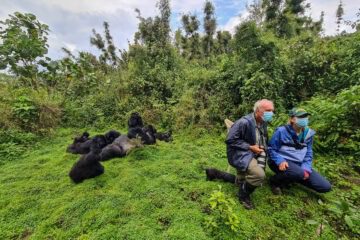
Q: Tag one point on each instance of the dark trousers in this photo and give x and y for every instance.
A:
(294, 173)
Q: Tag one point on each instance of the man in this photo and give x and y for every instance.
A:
(291, 155)
(246, 149)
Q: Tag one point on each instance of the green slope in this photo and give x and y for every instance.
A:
(157, 192)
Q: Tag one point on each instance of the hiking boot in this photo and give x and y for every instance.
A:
(275, 188)
(212, 173)
(244, 195)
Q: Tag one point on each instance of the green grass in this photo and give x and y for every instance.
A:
(157, 192)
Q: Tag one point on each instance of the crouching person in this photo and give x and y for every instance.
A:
(246, 149)
(291, 155)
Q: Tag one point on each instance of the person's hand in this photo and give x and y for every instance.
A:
(256, 149)
(283, 166)
(306, 175)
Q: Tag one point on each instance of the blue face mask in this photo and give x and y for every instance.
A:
(267, 117)
(302, 122)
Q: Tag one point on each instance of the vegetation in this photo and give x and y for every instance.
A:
(188, 84)
(160, 192)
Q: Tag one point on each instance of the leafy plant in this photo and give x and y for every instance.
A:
(347, 213)
(222, 212)
(25, 111)
(24, 43)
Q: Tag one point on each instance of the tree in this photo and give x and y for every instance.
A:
(24, 45)
(209, 27)
(339, 16)
(223, 39)
(107, 46)
(191, 41)
(256, 12)
(155, 31)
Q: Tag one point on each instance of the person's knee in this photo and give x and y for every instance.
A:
(325, 187)
(294, 173)
(258, 178)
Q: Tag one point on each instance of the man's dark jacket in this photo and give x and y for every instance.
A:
(240, 137)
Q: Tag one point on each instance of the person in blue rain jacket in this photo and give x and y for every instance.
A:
(291, 155)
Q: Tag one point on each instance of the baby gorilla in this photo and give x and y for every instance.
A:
(119, 148)
(146, 134)
(78, 144)
(137, 129)
(84, 137)
(88, 165)
(111, 135)
(165, 136)
(84, 147)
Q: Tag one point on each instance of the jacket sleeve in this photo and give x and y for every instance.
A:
(235, 138)
(307, 162)
(274, 146)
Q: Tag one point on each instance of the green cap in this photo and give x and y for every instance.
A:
(298, 112)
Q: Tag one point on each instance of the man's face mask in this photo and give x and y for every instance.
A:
(302, 122)
(267, 117)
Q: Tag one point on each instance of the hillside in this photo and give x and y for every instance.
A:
(157, 192)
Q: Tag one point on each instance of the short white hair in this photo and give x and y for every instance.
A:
(259, 104)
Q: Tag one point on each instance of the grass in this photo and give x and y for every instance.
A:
(157, 192)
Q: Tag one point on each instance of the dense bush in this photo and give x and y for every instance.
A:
(336, 120)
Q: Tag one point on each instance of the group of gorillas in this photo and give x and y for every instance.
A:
(110, 145)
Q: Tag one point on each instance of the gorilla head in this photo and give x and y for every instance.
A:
(135, 120)
(111, 135)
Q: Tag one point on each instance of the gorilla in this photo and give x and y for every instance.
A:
(147, 134)
(80, 144)
(111, 135)
(82, 138)
(135, 120)
(88, 165)
(84, 147)
(137, 129)
(119, 148)
(165, 136)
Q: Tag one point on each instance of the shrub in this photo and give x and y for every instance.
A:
(222, 213)
(336, 120)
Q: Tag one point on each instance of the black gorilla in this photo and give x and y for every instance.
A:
(88, 165)
(84, 137)
(111, 135)
(119, 148)
(135, 120)
(137, 129)
(80, 144)
(165, 136)
(84, 147)
(148, 134)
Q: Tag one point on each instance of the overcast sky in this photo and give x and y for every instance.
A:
(71, 21)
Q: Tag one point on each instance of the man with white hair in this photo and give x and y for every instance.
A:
(246, 149)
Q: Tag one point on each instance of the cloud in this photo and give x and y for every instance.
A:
(234, 21)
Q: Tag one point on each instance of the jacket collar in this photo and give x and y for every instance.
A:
(309, 132)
